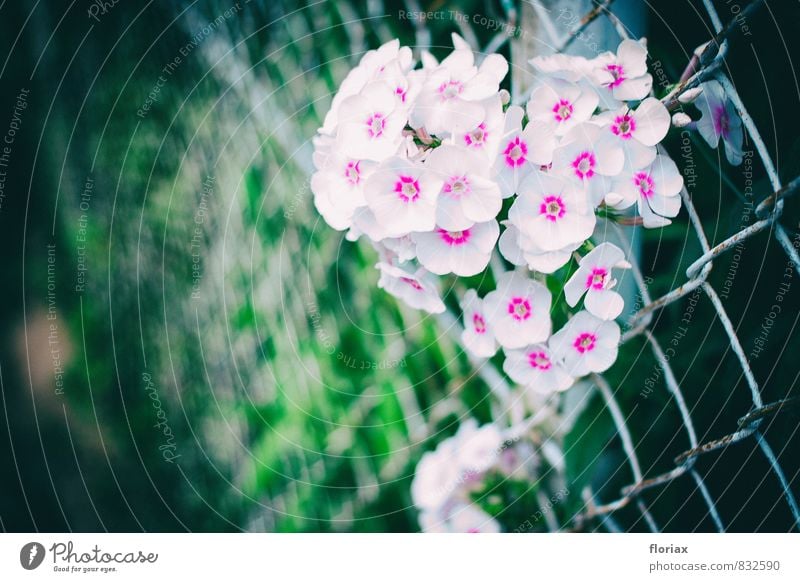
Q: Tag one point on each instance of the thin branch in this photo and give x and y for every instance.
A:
(717, 43)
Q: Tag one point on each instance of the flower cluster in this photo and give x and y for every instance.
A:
(442, 174)
(446, 475)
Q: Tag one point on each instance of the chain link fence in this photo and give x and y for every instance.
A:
(709, 63)
(278, 65)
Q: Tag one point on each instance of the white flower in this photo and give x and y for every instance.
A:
(449, 101)
(520, 250)
(638, 131)
(417, 289)
(468, 195)
(477, 449)
(338, 187)
(586, 344)
(508, 245)
(477, 336)
(552, 212)
(401, 249)
(589, 154)
(436, 478)
(519, 310)
(624, 76)
(456, 465)
(561, 104)
(720, 120)
(566, 67)
(323, 146)
(535, 368)
(370, 124)
(594, 279)
(375, 60)
(463, 252)
(460, 517)
(655, 190)
(364, 222)
(523, 458)
(369, 68)
(521, 151)
(404, 84)
(402, 195)
(485, 137)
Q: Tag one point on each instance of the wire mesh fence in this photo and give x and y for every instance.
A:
(269, 345)
(710, 64)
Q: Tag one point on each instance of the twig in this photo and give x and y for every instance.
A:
(715, 46)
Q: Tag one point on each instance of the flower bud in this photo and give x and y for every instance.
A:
(505, 97)
(681, 120)
(699, 50)
(690, 95)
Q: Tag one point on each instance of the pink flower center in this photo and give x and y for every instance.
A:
(407, 188)
(623, 126)
(477, 136)
(454, 237)
(515, 152)
(597, 278)
(478, 323)
(722, 123)
(352, 173)
(519, 308)
(375, 125)
(562, 110)
(539, 360)
(585, 342)
(618, 73)
(450, 90)
(644, 183)
(552, 208)
(413, 282)
(400, 92)
(584, 165)
(456, 186)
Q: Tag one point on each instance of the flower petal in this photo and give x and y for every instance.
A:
(605, 303)
(652, 121)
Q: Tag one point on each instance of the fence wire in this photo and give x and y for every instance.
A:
(708, 65)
